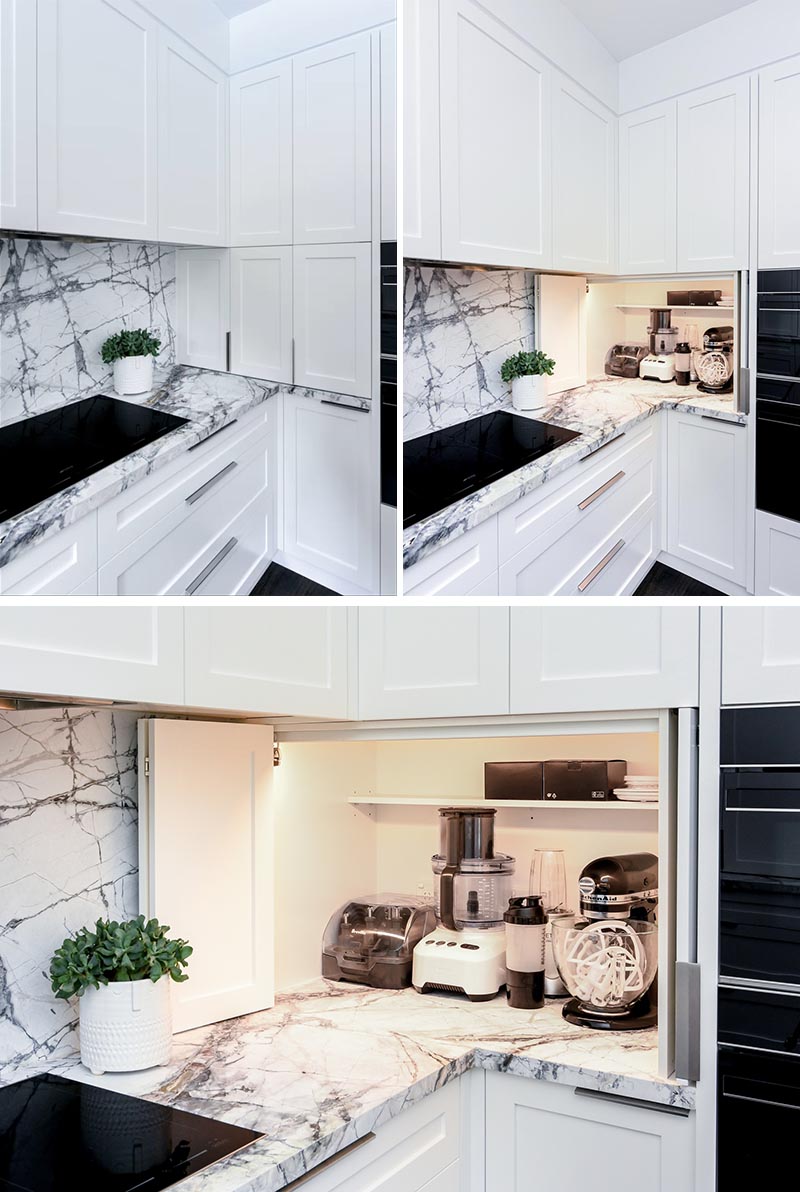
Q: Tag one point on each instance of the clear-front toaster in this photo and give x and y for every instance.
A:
(371, 940)
(623, 360)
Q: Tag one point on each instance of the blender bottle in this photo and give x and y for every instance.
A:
(525, 922)
(549, 879)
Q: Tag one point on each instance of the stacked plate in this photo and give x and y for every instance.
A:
(638, 788)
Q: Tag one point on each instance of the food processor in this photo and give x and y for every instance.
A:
(466, 953)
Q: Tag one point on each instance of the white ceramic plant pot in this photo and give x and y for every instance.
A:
(133, 374)
(126, 1026)
(529, 393)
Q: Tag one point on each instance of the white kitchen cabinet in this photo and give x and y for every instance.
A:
(777, 556)
(707, 494)
(458, 567)
(422, 220)
(331, 503)
(333, 142)
(333, 288)
(192, 146)
(203, 283)
(584, 170)
(714, 185)
(779, 168)
(648, 189)
(93, 651)
(261, 155)
(561, 328)
(18, 205)
(63, 563)
(388, 126)
(618, 658)
(761, 655)
(283, 660)
(97, 123)
(388, 550)
(261, 313)
(495, 143)
(543, 1135)
(432, 661)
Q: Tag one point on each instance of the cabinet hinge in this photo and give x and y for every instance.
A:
(147, 767)
(276, 754)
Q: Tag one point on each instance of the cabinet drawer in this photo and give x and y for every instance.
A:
(624, 561)
(59, 566)
(459, 567)
(240, 561)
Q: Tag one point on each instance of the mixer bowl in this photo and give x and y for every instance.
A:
(608, 964)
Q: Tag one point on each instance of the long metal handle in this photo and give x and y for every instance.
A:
(228, 351)
(687, 1020)
(325, 401)
(601, 566)
(213, 434)
(603, 446)
(212, 566)
(746, 985)
(293, 360)
(326, 1163)
(603, 489)
(203, 489)
(766, 810)
(743, 396)
(616, 1099)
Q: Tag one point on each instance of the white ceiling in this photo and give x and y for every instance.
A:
(235, 8)
(627, 27)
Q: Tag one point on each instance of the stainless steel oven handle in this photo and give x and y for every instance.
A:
(766, 810)
(602, 489)
(601, 566)
(761, 1101)
(200, 492)
(212, 566)
(746, 985)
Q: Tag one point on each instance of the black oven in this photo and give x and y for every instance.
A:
(778, 392)
(758, 1114)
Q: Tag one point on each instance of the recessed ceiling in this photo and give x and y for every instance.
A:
(235, 8)
(627, 27)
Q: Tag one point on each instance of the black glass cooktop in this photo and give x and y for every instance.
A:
(447, 465)
(57, 1134)
(42, 456)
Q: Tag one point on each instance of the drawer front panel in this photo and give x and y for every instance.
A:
(618, 573)
(240, 561)
(458, 567)
(63, 564)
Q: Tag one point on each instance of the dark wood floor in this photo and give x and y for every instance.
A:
(665, 581)
(280, 581)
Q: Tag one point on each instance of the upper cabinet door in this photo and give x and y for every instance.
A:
(261, 155)
(93, 652)
(261, 313)
(388, 99)
(18, 115)
(333, 142)
(584, 181)
(714, 186)
(333, 318)
(192, 141)
(761, 655)
(618, 658)
(272, 661)
(203, 284)
(495, 151)
(648, 187)
(416, 662)
(422, 217)
(779, 166)
(97, 86)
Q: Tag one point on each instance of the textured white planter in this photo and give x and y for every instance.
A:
(126, 1026)
(134, 374)
(529, 393)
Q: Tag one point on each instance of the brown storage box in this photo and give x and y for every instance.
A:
(583, 781)
(512, 780)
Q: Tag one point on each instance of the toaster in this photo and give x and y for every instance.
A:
(371, 940)
(623, 360)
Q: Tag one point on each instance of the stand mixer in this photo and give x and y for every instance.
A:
(466, 953)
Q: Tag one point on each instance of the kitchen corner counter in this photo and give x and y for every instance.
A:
(599, 411)
(332, 1062)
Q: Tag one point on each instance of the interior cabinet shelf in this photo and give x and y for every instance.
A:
(369, 800)
(704, 311)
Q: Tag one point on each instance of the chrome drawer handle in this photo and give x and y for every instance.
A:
(218, 431)
(603, 446)
(619, 1099)
(210, 483)
(601, 566)
(603, 489)
(212, 566)
(328, 1163)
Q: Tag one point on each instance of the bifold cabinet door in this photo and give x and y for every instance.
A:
(261, 313)
(565, 660)
(18, 115)
(584, 146)
(432, 661)
(203, 284)
(333, 318)
(648, 148)
(761, 655)
(93, 652)
(779, 167)
(422, 223)
(261, 155)
(206, 860)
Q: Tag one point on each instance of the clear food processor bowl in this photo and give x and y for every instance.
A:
(481, 890)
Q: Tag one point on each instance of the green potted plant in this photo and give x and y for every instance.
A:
(527, 371)
(121, 974)
(131, 353)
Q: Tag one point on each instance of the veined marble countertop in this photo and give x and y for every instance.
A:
(209, 400)
(598, 411)
(331, 1062)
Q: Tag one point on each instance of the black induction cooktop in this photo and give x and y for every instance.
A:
(445, 466)
(42, 456)
(57, 1134)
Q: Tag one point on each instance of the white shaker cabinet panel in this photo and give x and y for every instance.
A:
(648, 190)
(777, 555)
(261, 313)
(422, 217)
(203, 285)
(333, 142)
(618, 658)
(388, 101)
(97, 139)
(761, 655)
(261, 155)
(495, 95)
(561, 328)
(714, 177)
(192, 146)
(432, 661)
(458, 567)
(93, 651)
(333, 318)
(18, 115)
(61, 564)
(283, 661)
(584, 180)
(779, 166)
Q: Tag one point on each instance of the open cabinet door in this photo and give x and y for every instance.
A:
(206, 860)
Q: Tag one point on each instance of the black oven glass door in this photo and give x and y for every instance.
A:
(758, 1117)
(761, 823)
(779, 323)
(778, 448)
(753, 1018)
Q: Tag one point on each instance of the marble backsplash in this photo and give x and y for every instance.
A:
(459, 326)
(59, 301)
(68, 854)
